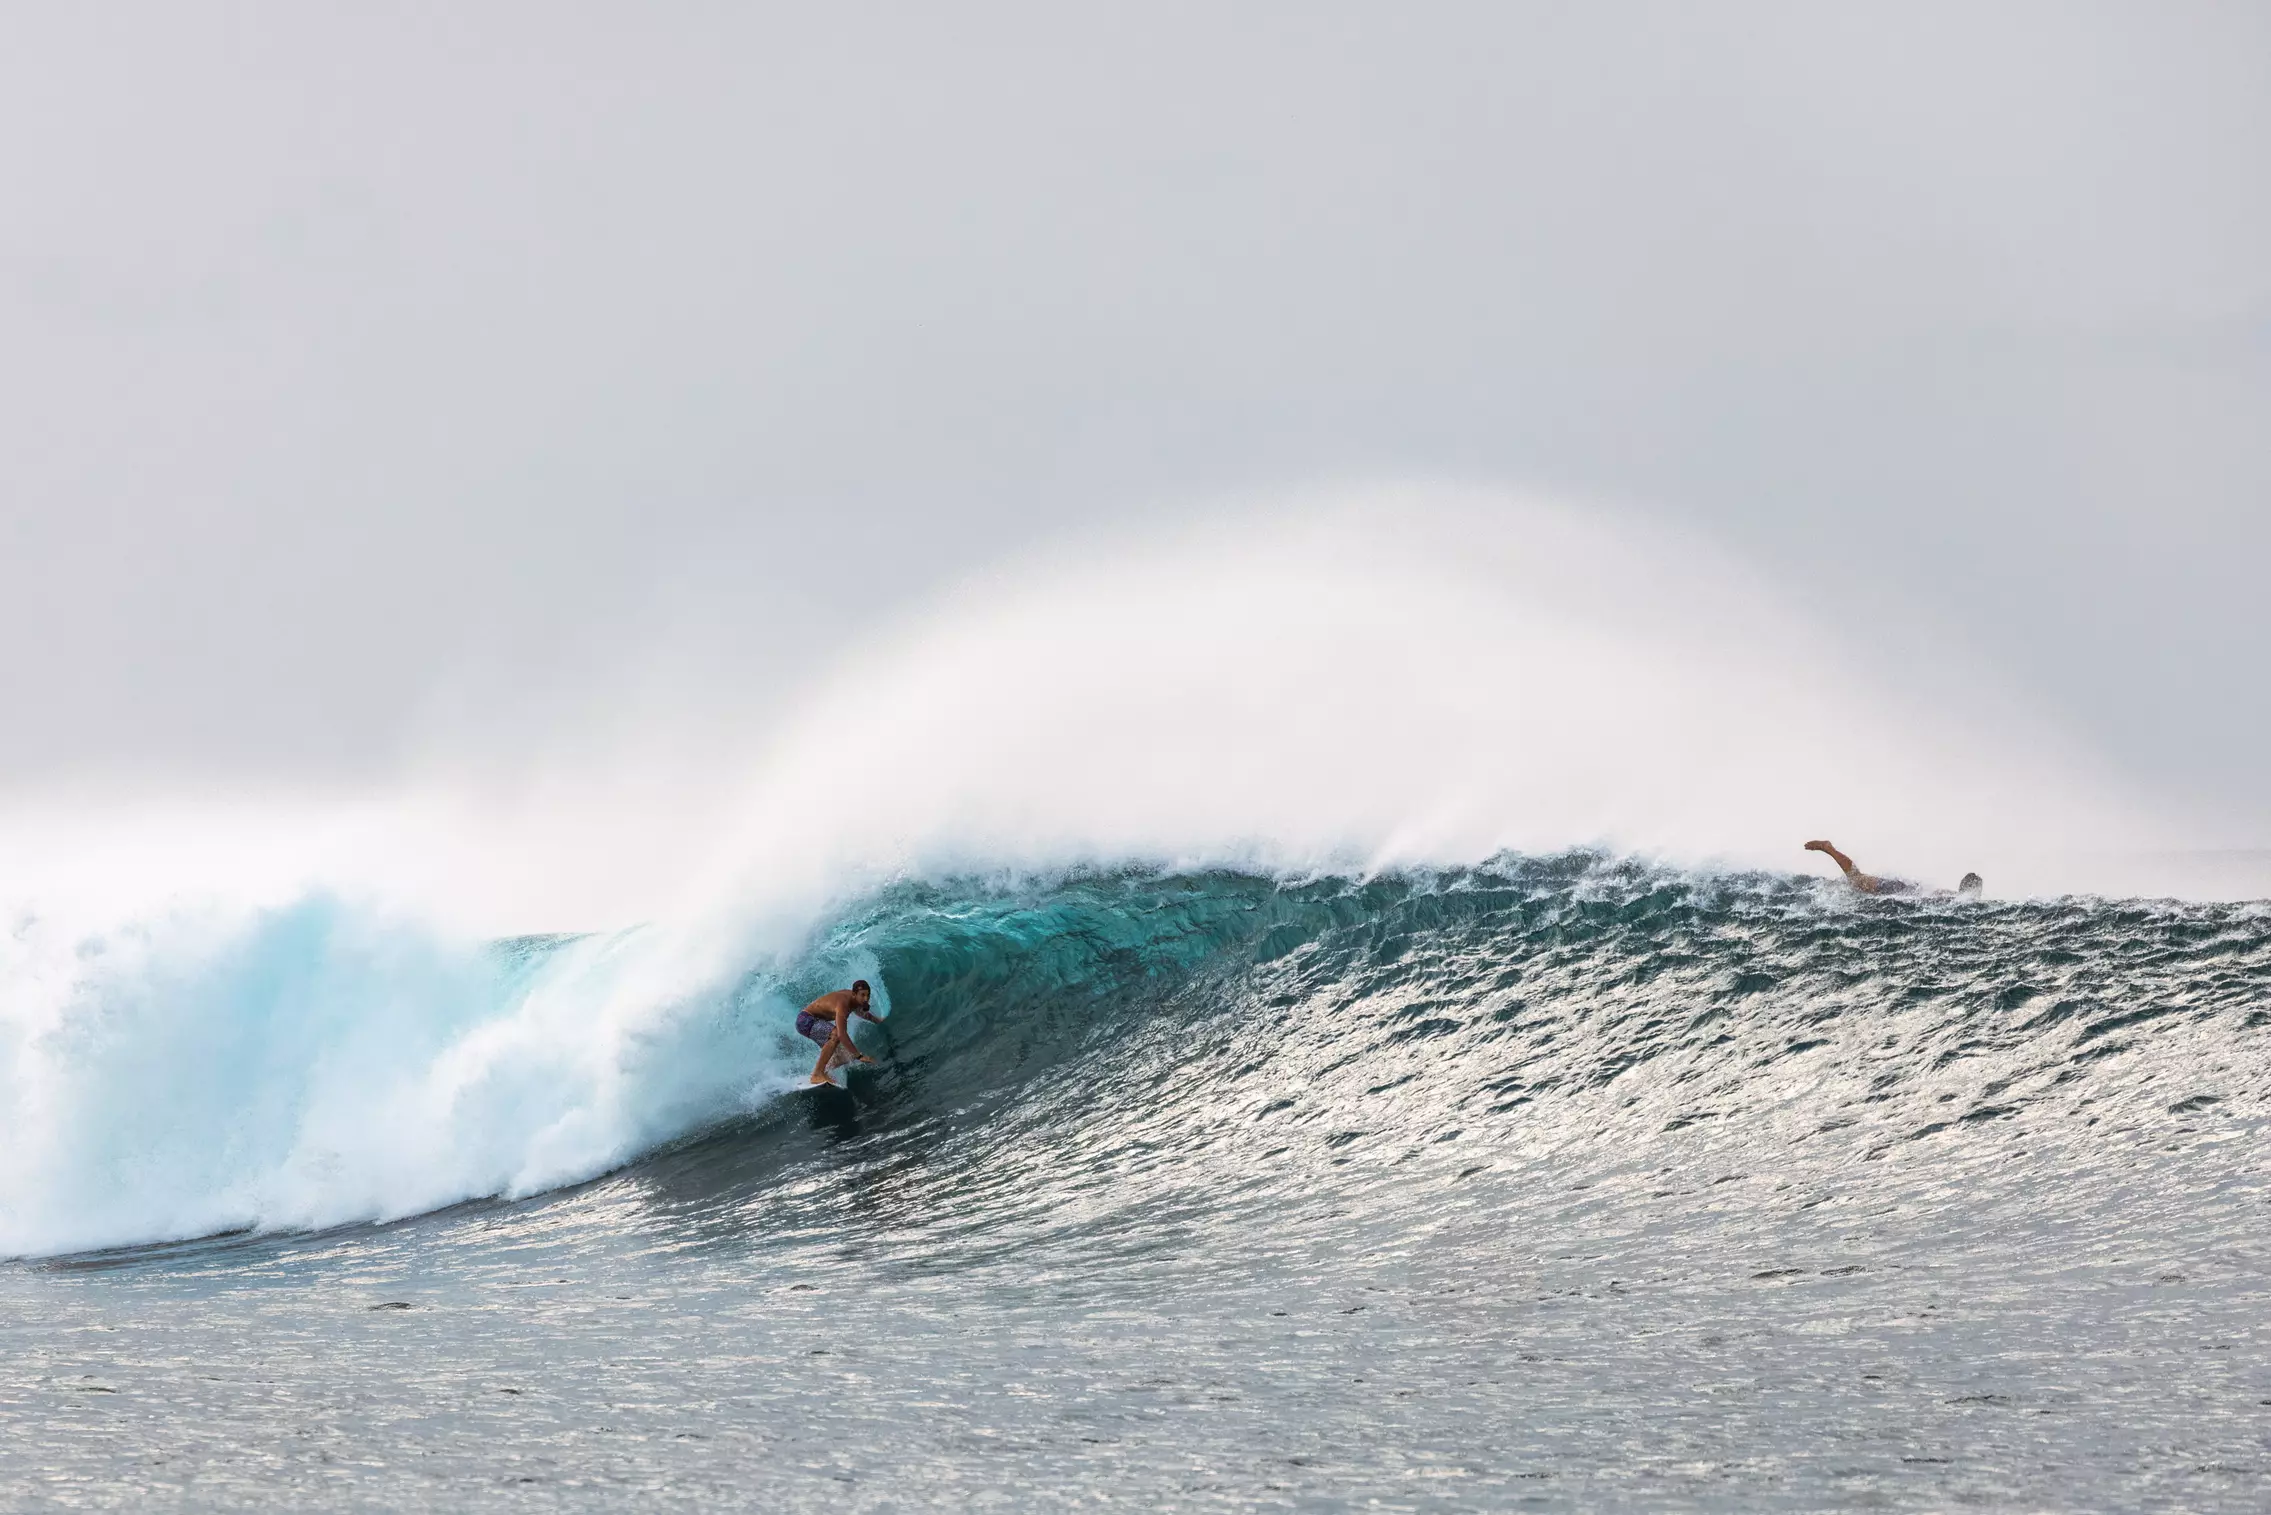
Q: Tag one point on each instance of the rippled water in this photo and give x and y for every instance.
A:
(1564, 1185)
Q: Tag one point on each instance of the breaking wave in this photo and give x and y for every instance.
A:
(309, 1067)
(1412, 821)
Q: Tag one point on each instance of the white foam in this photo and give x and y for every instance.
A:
(1403, 677)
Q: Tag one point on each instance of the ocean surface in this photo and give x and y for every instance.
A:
(1565, 1183)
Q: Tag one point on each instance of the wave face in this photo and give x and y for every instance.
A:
(1134, 1037)
(1122, 1045)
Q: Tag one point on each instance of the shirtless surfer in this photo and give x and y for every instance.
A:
(828, 1021)
(1869, 883)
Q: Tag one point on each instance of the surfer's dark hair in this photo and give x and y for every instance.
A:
(859, 986)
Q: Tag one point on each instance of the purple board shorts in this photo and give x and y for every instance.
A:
(818, 1027)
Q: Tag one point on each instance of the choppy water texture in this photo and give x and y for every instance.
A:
(1561, 1185)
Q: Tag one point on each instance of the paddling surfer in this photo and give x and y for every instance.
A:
(828, 1021)
(1870, 883)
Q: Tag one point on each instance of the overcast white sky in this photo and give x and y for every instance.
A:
(363, 368)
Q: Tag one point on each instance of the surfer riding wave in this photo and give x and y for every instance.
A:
(827, 1020)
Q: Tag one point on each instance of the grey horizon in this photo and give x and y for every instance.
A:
(370, 380)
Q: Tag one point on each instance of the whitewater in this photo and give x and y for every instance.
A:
(1358, 1027)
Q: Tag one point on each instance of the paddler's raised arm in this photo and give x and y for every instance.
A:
(1835, 856)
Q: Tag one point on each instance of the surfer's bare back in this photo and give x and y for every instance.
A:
(828, 1021)
(1869, 883)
